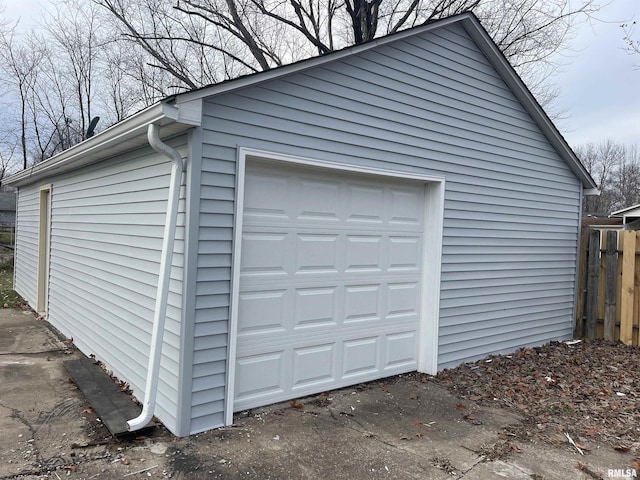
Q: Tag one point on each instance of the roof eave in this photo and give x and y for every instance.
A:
(127, 134)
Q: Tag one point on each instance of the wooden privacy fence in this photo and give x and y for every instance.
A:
(609, 286)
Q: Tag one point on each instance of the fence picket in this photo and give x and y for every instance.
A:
(593, 277)
(611, 271)
(627, 286)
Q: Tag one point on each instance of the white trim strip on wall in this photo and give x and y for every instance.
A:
(45, 208)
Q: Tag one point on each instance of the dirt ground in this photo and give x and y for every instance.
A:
(588, 389)
(502, 417)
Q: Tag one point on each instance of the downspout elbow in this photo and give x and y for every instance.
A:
(164, 277)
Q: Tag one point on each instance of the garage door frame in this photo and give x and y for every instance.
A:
(431, 257)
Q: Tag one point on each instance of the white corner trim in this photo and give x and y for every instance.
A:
(431, 274)
(235, 287)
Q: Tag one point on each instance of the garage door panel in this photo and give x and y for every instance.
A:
(267, 196)
(404, 253)
(283, 251)
(315, 307)
(329, 283)
(401, 349)
(366, 204)
(403, 299)
(360, 357)
(362, 302)
(314, 366)
(319, 200)
(263, 374)
(262, 311)
(265, 253)
(406, 207)
(364, 252)
(317, 253)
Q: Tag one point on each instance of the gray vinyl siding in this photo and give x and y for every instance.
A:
(26, 252)
(429, 104)
(106, 239)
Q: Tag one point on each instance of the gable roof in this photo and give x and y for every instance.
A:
(183, 111)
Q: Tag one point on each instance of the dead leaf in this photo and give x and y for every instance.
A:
(296, 405)
(514, 448)
(591, 430)
(582, 447)
(584, 468)
(472, 420)
(125, 461)
(635, 464)
(622, 448)
(87, 410)
(423, 379)
(404, 437)
(413, 396)
(461, 406)
(475, 398)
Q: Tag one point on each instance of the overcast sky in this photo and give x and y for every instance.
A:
(599, 81)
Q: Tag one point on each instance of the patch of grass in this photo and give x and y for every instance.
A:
(7, 236)
(8, 296)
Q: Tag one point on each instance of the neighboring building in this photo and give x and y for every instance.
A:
(396, 206)
(7, 208)
(630, 217)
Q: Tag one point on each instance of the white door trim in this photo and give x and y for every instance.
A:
(431, 268)
(44, 247)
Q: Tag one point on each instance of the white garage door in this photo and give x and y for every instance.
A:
(329, 281)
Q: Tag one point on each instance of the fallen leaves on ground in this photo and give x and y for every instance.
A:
(591, 388)
(296, 405)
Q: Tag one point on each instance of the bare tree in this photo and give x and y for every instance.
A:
(632, 45)
(54, 75)
(199, 42)
(20, 62)
(72, 32)
(616, 169)
(9, 143)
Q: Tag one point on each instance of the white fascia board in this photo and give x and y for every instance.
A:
(125, 135)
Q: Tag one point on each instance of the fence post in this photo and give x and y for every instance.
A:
(610, 280)
(593, 276)
(627, 286)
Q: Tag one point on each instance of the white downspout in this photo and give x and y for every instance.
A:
(153, 367)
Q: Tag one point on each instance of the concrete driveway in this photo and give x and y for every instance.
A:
(404, 427)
